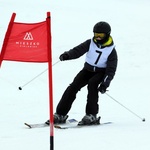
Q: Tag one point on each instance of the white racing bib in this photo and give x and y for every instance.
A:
(98, 56)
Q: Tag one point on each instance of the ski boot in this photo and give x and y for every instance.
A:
(89, 119)
(58, 119)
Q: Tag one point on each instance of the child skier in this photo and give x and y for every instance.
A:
(98, 71)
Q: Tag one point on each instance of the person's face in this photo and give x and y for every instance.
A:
(99, 36)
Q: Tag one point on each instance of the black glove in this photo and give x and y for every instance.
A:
(64, 56)
(102, 88)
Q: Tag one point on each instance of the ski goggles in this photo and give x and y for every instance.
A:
(101, 35)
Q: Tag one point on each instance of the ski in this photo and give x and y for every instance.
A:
(63, 126)
(38, 125)
(41, 125)
(70, 123)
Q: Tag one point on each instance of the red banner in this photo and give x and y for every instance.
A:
(31, 43)
(26, 42)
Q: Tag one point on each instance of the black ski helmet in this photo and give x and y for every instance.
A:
(102, 27)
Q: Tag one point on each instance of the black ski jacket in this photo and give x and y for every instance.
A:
(112, 60)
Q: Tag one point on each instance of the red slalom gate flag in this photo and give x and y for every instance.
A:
(25, 42)
(31, 42)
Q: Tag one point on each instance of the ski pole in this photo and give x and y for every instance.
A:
(20, 87)
(143, 119)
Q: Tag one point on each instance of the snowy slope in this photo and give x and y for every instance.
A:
(72, 23)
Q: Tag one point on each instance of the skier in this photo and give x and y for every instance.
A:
(98, 71)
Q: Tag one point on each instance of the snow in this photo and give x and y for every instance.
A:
(72, 23)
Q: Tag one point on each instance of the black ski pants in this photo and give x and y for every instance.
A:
(83, 78)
